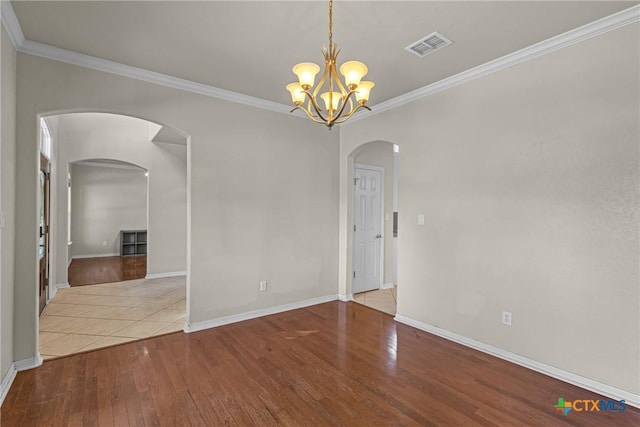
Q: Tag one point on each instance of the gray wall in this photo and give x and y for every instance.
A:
(379, 153)
(263, 191)
(7, 202)
(528, 179)
(105, 200)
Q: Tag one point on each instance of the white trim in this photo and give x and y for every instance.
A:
(388, 285)
(11, 24)
(94, 256)
(162, 275)
(608, 23)
(214, 323)
(107, 66)
(53, 290)
(109, 165)
(32, 362)
(560, 374)
(345, 298)
(5, 386)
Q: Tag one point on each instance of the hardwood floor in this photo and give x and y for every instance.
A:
(90, 271)
(338, 364)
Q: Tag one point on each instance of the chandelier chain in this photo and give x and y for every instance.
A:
(330, 23)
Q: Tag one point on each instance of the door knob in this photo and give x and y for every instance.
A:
(378, 236)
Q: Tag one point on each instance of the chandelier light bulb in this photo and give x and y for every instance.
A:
(362, 93)
(306, 72)
(353, 72)
(297, 94)
(331, 100)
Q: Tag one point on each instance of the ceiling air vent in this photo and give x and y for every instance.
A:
(426, 45)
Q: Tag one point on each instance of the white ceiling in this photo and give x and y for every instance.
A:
(249, 47)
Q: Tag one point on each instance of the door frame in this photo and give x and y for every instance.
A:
(43, 293)
(382, 218)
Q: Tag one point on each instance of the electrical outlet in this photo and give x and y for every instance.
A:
(263, 286)
(104, 243)
(421, 219)
(506, 318)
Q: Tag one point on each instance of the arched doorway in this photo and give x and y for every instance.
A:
(372, 214)
(101, 147)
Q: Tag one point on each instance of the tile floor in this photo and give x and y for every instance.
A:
(88, 317)
(381, 299)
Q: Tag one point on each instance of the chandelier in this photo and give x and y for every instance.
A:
(336, 95)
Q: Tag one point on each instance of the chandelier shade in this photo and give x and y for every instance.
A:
(337, 96)
(364, 88)
(353, 72)
(306, 72)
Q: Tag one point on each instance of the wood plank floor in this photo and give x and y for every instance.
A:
(333, 364)
(91, 271)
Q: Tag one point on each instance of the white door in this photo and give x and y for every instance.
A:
(367, 240)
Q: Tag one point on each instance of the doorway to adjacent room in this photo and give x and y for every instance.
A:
(107, 221)
(374, 225)
(118, 232)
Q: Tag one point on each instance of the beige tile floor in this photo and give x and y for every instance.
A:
(88, 317)
(381, 299)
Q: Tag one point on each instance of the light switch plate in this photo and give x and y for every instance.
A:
(420, 219)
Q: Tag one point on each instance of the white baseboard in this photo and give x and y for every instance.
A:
(94, 256)
(54, 289)
(20, 365)
(345, 298)
(630, 399)
(32, 362)
(213, 323)
(7, 381)
(162, 275)
(389, 285)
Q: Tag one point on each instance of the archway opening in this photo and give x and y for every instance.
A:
(118, 206)
(372, 246)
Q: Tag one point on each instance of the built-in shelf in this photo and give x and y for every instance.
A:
(133, 242)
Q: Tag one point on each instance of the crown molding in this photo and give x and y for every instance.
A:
(10, 21)
(105, 65)
(11, 24)
(609, 23)
(601, 26)
(100, 164)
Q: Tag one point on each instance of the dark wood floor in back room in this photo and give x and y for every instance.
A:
(333, 364)
(91, 271)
